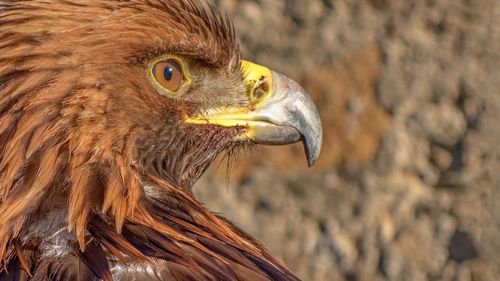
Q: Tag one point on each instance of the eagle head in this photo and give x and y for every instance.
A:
(110, 107)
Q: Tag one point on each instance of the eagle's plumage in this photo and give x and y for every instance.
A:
(96, 166)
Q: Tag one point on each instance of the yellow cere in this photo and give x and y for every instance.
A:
(254, 74)
(230, 117)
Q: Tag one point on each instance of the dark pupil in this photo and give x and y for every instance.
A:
(167, 73)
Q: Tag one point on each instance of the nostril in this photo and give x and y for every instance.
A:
(258, 93)
(261, 88)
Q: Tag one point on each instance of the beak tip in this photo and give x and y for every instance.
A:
(312, 153)
(312, 143)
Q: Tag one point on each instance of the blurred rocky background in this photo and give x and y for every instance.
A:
(408, 183)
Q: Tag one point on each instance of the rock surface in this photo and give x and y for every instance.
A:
(408, 183)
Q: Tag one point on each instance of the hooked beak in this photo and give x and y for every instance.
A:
(281, 112)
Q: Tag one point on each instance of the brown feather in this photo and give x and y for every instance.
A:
(21, 202)
(82, 188)
(113, 241)
(24, 262)
(95, 258)
(65, 268)
(14, 272)
(20, 263)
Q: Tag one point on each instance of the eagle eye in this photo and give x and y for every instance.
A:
(168, 74)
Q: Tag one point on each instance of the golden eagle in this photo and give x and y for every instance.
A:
(109, 112)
